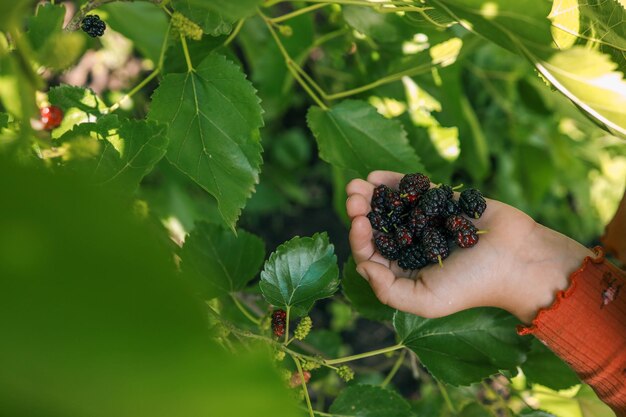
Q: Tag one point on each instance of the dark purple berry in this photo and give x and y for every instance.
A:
(435, 246)
(472, 203)
(433, 202)
(387, 246)
(93, 26)
(412, 186)
(379, 221)
(412, 257)
(404, 236)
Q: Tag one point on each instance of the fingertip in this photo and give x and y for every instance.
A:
(357, 205)
(389, 178)
(359, 186)
(361, 239)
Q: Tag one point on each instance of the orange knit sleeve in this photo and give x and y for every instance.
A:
(586, 327)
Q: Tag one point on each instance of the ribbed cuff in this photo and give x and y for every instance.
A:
(586, 327)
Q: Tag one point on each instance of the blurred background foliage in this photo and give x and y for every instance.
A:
(477, 106)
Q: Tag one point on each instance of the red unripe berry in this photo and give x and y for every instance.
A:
(51, 117)
(296, 380)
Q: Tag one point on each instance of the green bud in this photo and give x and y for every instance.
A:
(303, 329)
(279, 355)
(345, 373)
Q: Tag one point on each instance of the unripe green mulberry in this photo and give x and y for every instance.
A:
(303, 329)
(186, 27)
(279, 355)
(310, 365)
(345, 373)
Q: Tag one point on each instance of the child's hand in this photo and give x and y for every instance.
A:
(518, 265)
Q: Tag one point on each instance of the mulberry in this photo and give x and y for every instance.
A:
(93, 26)
(472, 203)
(387, 247)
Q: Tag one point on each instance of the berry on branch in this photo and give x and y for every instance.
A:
(345, 373)
(279, 318)
(303, 328)
(51, 117)
(93, 26)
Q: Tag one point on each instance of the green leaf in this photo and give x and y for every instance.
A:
(231, 10)
(143, 23)
(67, 97)
(47, 21)
(11, 13)
(214, 119)
(545, 368)
(4, 120)
(104, 299)
(352, 135)
(370, 401)
(128, 151)
(514, 25)
(61, 50)
(465, 347)
(599, 23)
(522, 27)
(299, 272)
(198, 51)
(565, 17)
(596, 87)
(361, 295)
(226, 262)
(607, 21)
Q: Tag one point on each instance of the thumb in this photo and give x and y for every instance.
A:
(406, 294)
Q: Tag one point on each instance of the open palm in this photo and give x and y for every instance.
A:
(488, 274)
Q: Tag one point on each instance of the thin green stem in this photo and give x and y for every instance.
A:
(388, 79)
(394, 370)
(304, 388)
(446, 397)
(364, 355)
(291, 65)
(149, 78)
(294, 69)
(323, 414)
(311, 81)
(183, 41)
(287, 327)
(235, 32)
(298, 12)
(244, 310)
(132, 92)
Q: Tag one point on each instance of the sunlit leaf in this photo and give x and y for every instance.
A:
(299, 272)
(370, 401)
(465, 347)
(224, 261)
(214, 119)
(354, 136)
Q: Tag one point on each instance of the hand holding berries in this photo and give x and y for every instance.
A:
(416, 221)
(519, 266)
